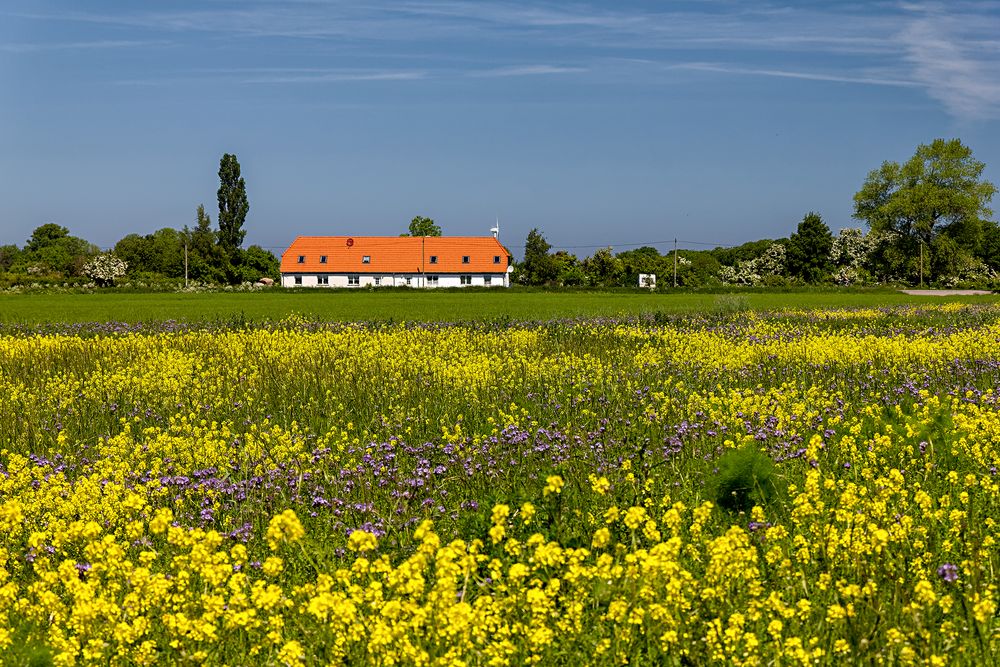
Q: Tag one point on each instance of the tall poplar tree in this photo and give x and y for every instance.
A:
(233, 205)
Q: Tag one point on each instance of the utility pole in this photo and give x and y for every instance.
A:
(185, 263)
(675, 262)
(921, 264)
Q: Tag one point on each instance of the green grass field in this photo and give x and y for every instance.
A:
(365, 305)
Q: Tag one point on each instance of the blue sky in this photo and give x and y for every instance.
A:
(621, 123)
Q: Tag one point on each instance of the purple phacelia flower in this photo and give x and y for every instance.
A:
(948, 572)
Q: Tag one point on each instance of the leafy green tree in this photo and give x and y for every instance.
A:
(137, 252)
(233, 204)
(646, 259)
(168, 252)
(207, 261)
(808, 250)
(937, 192)
(538, 267)
(421, 226)
(989, 246)
(603, 269)
(46, 235)
(695, 269)
(9, 256)
(742, 253)
(52, 248)
(259, 263)
(568, 271)
(161, 252)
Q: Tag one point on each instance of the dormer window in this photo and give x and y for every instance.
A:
(322, 259)
(302, 259)
(434, 259)
(465, 259)
(496, 259)
(367, 259)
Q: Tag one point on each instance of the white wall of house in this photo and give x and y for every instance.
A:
(398, 280)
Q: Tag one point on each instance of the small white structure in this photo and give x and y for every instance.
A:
(396, 261)
(647, 280)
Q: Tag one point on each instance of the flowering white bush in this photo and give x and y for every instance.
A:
(752, 272)
(105, 269)
(971, 272)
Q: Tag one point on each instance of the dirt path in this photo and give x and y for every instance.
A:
(944, 292)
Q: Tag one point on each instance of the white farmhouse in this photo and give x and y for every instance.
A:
(388, 261)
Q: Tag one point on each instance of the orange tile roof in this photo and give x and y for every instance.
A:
(395, 254)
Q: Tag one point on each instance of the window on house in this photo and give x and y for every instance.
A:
(465, 259)
(432, 281)
(353, 281)
(302, 259)
(324, 280)
(496, 259)
(487, 280)
(434, 259)
(367, 259)
(408, 280)
(322, 259)
(298, 280)
(465, 280)
(377, 280)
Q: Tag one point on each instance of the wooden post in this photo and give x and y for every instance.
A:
(675, 262)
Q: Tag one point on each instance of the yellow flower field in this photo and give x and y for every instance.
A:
(793, 488)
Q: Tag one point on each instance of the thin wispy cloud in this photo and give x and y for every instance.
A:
(314, 75)
(527, 70)
(950, 50)
(791, 74)
(335, 77)
(38, 47)
(948, 60)
(278, 76)
(758, 26)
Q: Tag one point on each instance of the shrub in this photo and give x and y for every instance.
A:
(105, 269)
(745, 477)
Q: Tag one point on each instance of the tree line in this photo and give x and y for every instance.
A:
(928, 222)
(202, 253)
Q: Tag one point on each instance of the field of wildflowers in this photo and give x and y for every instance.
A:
(798, 487)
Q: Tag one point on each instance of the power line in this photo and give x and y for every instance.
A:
(639, 244)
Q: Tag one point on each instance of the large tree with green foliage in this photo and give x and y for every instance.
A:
(161, 252)
(569, 272)
(137, 253)
(259, 263)
(421, 226)
(207, 261)
(168, 252)
(538, 267)
(603, 269)
(646, 259)
(233, 204)
(46, 235)
(936, 199)
(52, 249)
(808, 250)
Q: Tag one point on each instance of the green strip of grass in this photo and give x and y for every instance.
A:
(364, 305)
